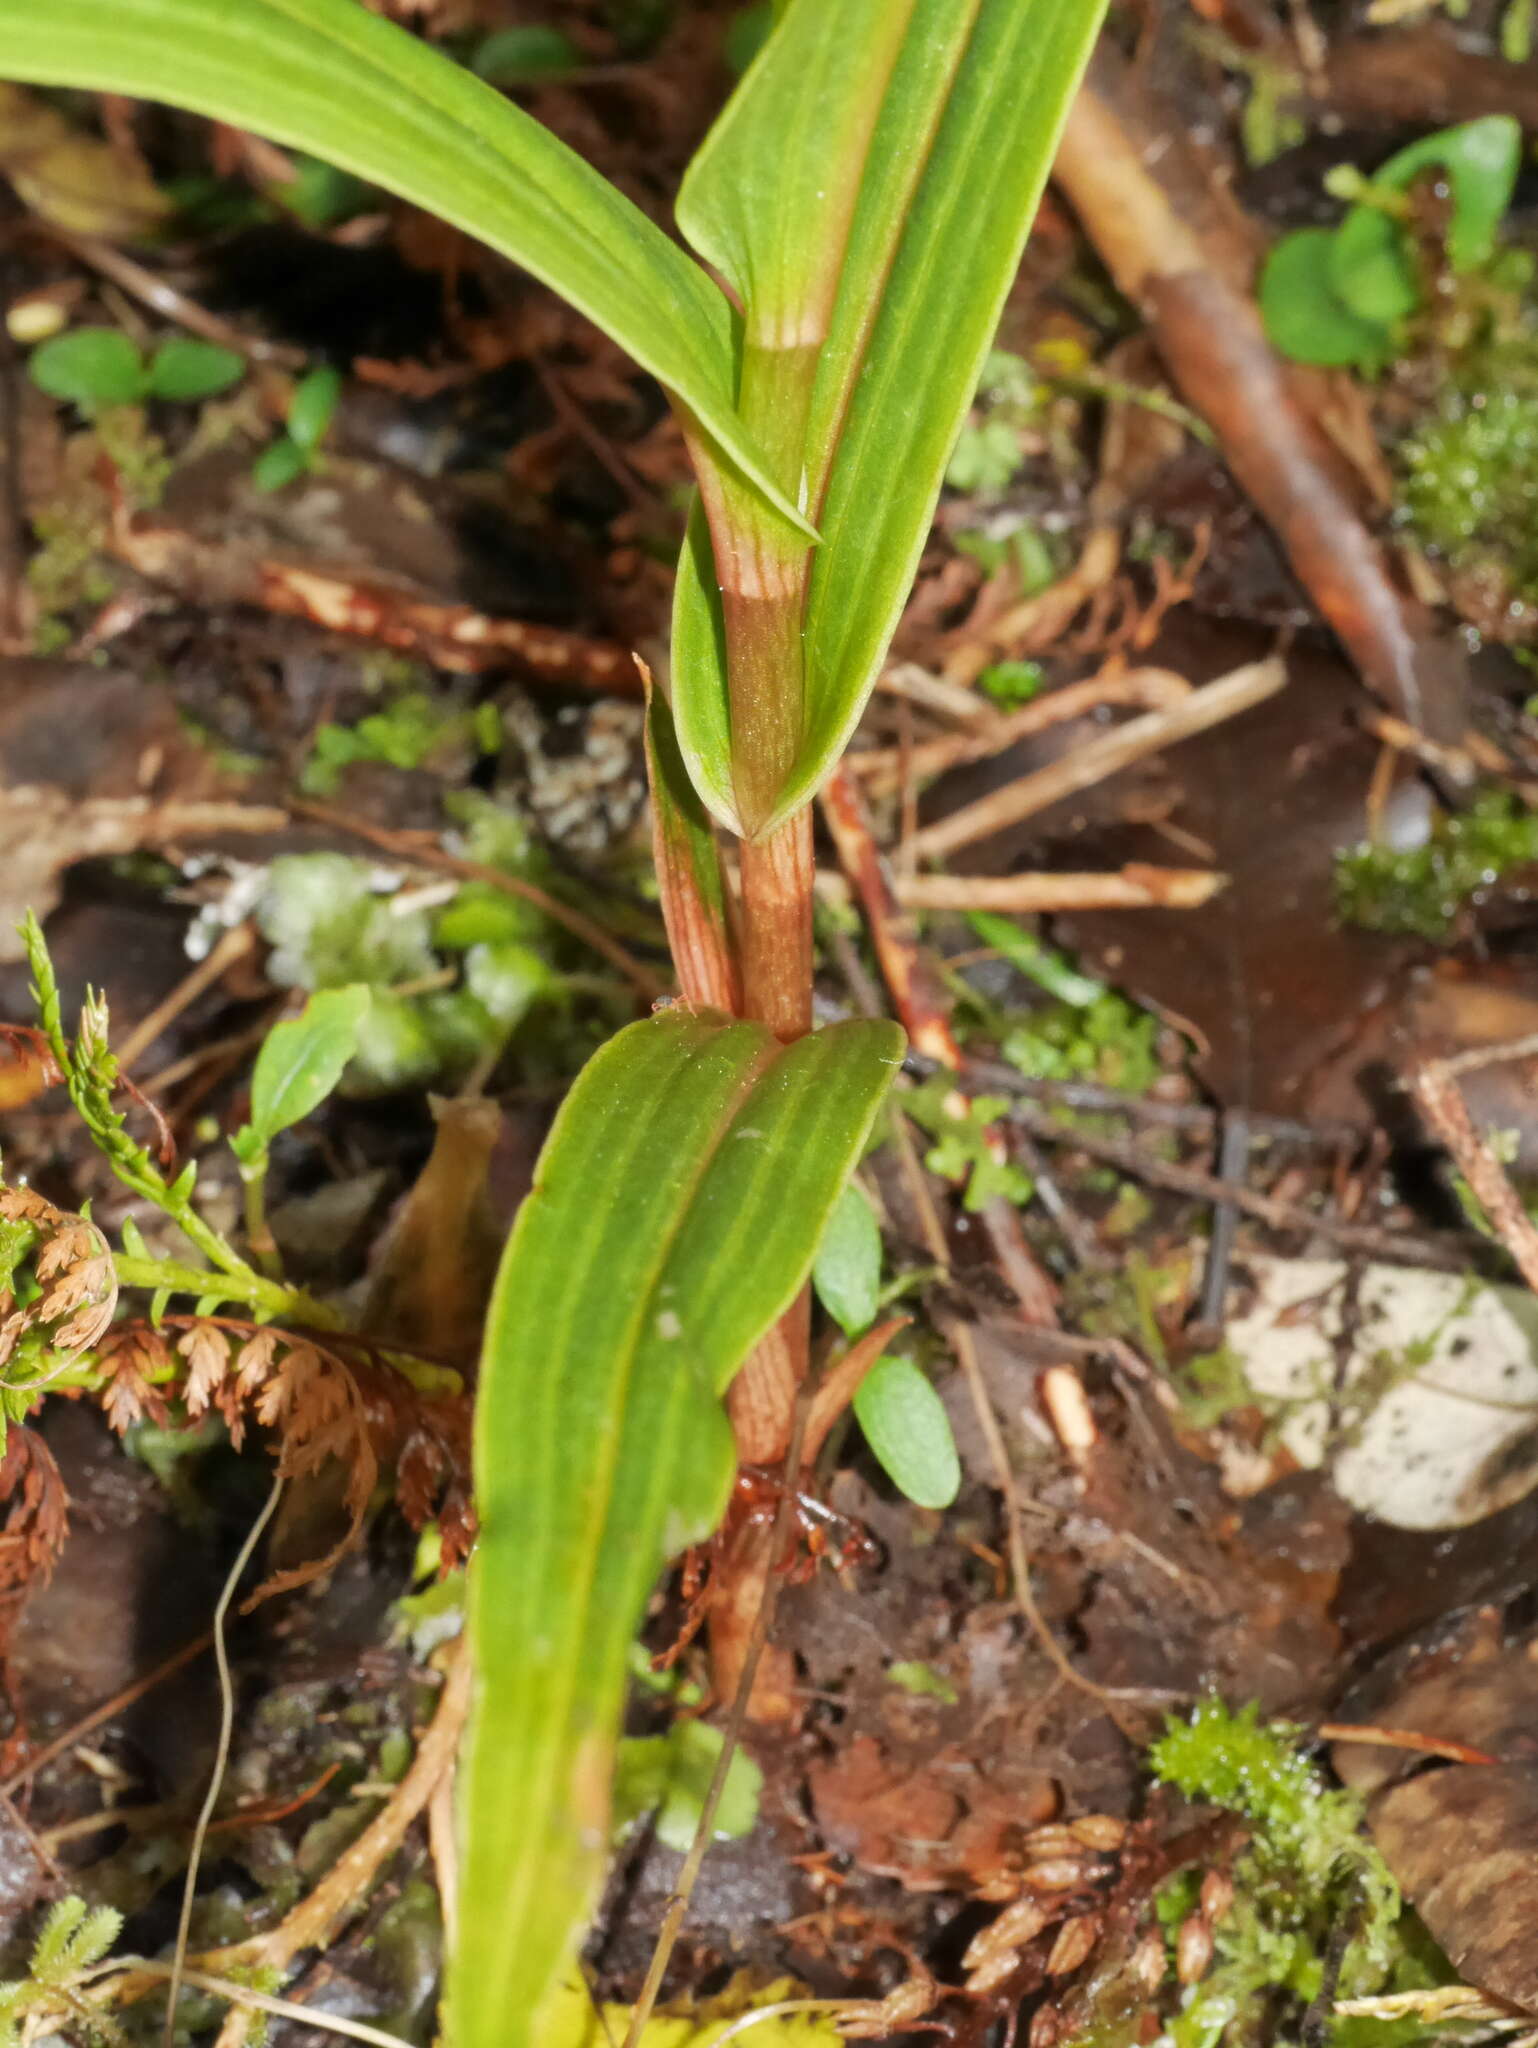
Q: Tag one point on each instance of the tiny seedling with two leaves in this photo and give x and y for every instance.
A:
(863, 199)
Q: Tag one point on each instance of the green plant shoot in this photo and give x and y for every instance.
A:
(300, 1063)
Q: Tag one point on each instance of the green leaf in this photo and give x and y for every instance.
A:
(280, 464)
(1303, 314)
(311, 407)
(1042, 964)
(1370, 267)
(332, 79)
(523, 56)
(670, 1775)
(971, 104)
(91, 367)
(320, 195)
(300, 1063)
(675, 1213)
(1010, 683)
(187, 370)
(909, 1432)
(923, 1681)
(847, 1271)
(1368, 272)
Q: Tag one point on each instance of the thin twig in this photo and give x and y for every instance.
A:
(1106, 754)
(172, 304)
(1404, 1738)
(958, 1336)
(262, 2001)
(107, 1711)
(998, 1078)
(1207, 1187)
(221, 1754)
(314, 1921)
(924, 1006)
(234, 945)
(1137, 886)
(1146, 689)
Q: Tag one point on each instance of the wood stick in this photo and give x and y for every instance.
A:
(925, 1009)
(1186, 257)
(1147, 689)
(1134, 887)
(1105, 755)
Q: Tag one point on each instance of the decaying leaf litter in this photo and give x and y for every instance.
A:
(1188, 835)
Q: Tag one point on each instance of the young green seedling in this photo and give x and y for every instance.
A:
(300, 1063)
(93, 367)
(293, 454)
(1340, 296)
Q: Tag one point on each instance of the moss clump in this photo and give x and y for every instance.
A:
(411, 732)
(1417, 892)
(1307, 1878)
(1470, 481)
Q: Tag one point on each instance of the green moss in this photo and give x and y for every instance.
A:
(1109, 1040)
(1418, 891)
(1307, 1875)
(412, 732)
(1470, 477)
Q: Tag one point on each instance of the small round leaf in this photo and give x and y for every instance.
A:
(524, 56)
(279, 464)
(909, 1432)
(311, 407)
(91, 367)
(186, 370)
(1305, 317)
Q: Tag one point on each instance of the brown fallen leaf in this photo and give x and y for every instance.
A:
(72, 179)
(93, 763)
(1463, 1844)
(1462, 1839)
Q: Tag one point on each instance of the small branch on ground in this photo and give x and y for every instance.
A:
(1103, 756)
(450, 636)
(1134, 887)
(1182, 252)
(316, 1920)
(1145, 689)
(924, 1008)
(1206, 1187)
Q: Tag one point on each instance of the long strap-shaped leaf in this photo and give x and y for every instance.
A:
(948, 183)
(328, 77)
(675, 1213)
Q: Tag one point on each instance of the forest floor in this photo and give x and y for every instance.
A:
(1190, 832)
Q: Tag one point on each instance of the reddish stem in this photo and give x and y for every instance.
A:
(777, 928)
